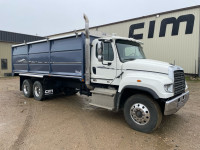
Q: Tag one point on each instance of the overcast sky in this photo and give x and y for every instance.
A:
(46, 17)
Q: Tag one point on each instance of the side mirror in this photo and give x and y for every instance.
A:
(100, 51)
(100, 58)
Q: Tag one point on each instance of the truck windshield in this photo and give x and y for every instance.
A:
(129, 50)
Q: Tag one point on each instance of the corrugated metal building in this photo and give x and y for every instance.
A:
(171, 36)
(7, 39)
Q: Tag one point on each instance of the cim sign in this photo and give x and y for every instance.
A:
(189, 19)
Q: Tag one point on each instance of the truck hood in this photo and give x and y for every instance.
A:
(147, 65)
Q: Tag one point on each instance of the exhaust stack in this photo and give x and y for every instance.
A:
(87, 54)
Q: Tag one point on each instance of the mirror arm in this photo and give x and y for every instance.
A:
(109, 63)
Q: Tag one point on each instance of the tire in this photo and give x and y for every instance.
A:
(38, 91)
(142, 113)
(70, 91)
(27, 88)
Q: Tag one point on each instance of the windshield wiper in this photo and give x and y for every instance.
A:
(129, 59)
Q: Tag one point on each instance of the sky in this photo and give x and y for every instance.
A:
(47, 17)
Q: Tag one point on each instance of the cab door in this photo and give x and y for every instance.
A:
(105, 71)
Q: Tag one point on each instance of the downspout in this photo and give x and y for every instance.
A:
(87, 54)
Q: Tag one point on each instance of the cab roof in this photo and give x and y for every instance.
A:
(121, 38)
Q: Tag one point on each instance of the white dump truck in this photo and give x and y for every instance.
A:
(112, 70)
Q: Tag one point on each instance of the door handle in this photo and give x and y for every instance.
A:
(94, 70)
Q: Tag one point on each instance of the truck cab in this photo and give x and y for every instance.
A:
(123, 76)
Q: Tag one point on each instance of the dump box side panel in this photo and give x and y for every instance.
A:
(20, 58)
(38, 55)
(64, 57)
(67, 56)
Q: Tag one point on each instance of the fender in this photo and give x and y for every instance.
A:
(144, 89)
(133, 87)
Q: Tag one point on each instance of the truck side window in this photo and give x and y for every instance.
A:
(108, 54)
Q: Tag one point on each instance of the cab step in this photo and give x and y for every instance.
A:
(103, 98)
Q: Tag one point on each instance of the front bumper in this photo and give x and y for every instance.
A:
(176, 103)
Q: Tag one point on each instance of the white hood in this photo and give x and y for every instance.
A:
(147, 65)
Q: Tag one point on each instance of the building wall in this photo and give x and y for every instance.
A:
(5, 53)
(182, 49)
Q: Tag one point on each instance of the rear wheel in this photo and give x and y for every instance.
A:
(38, 91)
(27, 88)
(142, 113)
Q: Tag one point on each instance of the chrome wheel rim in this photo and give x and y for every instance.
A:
(140, 114)
(25, 89)
(37, 91)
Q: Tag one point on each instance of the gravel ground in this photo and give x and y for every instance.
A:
(62, 122)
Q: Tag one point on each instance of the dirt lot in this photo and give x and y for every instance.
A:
(70, 123)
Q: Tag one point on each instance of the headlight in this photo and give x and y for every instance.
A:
(186, 87)
(169, 88)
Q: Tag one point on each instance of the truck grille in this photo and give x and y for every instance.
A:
(179, 82)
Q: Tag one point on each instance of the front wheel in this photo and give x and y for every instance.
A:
(142, 113)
